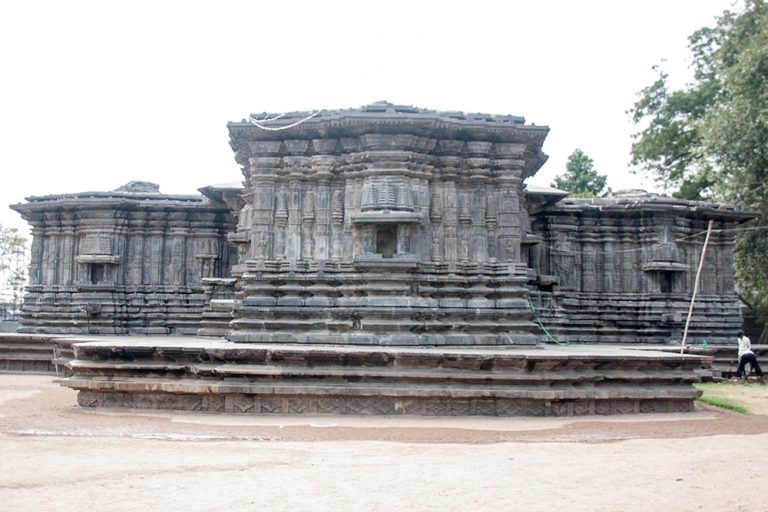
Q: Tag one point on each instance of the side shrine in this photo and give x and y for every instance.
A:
(381, 226)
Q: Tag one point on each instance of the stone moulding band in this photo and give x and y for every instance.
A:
(282, 379)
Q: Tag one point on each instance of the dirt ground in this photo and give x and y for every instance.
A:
(57, 456)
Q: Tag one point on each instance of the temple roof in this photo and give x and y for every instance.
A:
(638, 199)
(389, 114)
(384, 118)
(136, 193)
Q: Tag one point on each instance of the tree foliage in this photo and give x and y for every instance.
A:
(13, 265)
(580, 177)
(710, 138)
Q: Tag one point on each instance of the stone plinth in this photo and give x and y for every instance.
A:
(35, 353)
(434, 305)
(214, 376)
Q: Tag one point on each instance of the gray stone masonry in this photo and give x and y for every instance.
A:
(128, 261)
(385, 225)
(225, 377)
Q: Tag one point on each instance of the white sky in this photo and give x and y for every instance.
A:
(96, 94)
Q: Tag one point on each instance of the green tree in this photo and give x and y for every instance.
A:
(13, 264)
(580, 177)
(710, 138)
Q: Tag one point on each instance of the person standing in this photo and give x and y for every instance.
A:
(747, 356)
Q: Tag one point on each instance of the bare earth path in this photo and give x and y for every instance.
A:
(57, 456)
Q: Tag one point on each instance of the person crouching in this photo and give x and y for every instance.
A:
(747, 356)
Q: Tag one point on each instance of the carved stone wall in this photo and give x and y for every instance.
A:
(622, 269)
(384, 225)
(127, 261)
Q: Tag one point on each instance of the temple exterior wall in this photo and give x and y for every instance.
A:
(128, 261)
(623, 269)
(384, 225)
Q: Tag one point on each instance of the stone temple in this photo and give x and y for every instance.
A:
(380, 226)
(381, 260)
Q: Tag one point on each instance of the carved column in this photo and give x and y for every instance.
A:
(263, 218)
(281, 223)
(67, 249)
(509, 219)
(36, 258)
(308, 216)
(436, 219)
(337, 221)
(322, 221)
(451, 222)
(293, 233)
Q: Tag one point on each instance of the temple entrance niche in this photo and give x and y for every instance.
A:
(388, 219)
(386, 241)
(378, 239)
(665, 264)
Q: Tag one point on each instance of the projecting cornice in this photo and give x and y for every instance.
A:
(642, 201)
(386, 127)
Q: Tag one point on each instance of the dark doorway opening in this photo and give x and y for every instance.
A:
(667, 282)
(97, 273)
(386, 241)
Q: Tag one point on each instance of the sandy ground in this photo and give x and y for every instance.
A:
(57, 456)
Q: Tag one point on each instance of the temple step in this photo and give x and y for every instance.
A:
(216, 376)
(34, 353)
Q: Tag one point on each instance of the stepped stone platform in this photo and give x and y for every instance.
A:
(215, 376)
(35, 353)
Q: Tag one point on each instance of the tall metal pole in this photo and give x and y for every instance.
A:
(696, 286)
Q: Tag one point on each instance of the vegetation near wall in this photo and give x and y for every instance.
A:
(13, 272)
(709, 139)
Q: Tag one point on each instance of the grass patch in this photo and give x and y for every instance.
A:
(723, 403)
(731, 396)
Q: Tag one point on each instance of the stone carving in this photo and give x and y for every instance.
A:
(491, 220)
(137, 260)
(396, 226)
(308, 209)
(96, 244)
(436, 248)
(436, 207)
(464, 214)
(464, 250)
(337, 207)
(281, 213)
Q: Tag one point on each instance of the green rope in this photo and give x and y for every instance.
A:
(541, 325)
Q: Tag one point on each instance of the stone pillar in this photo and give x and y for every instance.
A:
(509, 219)
(67, 249)
(451, 222)
(293, 232)
(263, 218)
(178, 251)
(308, 217)
(135, 240)
(436, 219)
(337, 222)
(322, 220)
(492, 223)
(36, 255)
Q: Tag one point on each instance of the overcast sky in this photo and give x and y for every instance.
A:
(96, 94)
